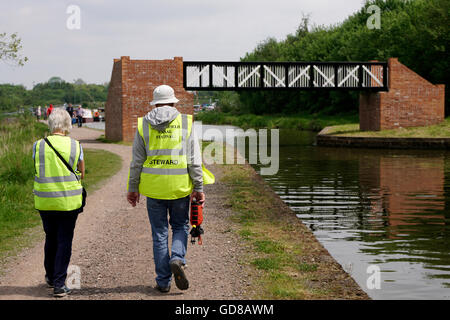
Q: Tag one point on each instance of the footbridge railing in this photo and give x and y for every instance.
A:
(285, 75)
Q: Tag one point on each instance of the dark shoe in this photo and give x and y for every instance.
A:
(61, 292)
(49, 283)
(176, 266)
(162, 289)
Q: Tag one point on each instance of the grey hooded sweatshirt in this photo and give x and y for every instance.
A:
(159, 118)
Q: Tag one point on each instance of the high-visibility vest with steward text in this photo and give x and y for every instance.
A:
(55, 187)
(165, 174)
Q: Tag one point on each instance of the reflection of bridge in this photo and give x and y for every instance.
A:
(285, 75)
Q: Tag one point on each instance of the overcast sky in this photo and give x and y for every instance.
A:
(216, 30)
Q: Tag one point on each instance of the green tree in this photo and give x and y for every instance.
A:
(54, 91)
(12, 96)
(415, 31)
(10, 48)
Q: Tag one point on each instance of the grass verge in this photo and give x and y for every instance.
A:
(103, 139)
(100, 165)
(288, 261)
(301, 122)
(441, 130)
(17, 213)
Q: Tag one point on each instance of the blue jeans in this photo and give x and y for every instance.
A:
(179, 221)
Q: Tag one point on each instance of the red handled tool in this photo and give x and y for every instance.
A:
(196, 221)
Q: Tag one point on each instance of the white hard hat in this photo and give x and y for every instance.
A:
(163, 94)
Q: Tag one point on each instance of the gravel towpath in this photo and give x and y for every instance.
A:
(113, 248)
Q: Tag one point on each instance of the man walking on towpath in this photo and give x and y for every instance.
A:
(166, 167)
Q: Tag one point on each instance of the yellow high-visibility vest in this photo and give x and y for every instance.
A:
(164, 174)
(55, 187)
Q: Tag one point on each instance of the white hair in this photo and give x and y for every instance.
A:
(59, 120)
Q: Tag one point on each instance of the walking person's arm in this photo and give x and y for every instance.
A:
(80, 165)
(81, 168)
(137, 161)
(195, 167)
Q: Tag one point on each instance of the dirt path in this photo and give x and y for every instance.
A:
(113, 248)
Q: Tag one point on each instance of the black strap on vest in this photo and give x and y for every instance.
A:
(62, 159)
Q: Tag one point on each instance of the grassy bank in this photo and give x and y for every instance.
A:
(100, 165)
(301, 122)
(103, 139)
(288, 261)
(441, 130)
(17, 213)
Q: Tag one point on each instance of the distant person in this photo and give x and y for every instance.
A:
(96, 116)
(70, 110)
(80, 117)
(38, 113)
(58, 196)
(49, 110)
(45, 112)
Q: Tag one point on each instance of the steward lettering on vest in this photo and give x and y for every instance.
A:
(160, 162)
(167, 178)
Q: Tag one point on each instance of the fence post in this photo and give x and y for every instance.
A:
(236, 76)
(336, 67)
(286, 76)
(261, 76)
(360, 75)
(311, 76)
(210, 75)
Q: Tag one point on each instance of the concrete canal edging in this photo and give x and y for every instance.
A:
(328, 140)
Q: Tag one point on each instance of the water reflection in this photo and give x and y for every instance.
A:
(389, 208)
(407, 190)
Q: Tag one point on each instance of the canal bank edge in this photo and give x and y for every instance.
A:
(325, 139)
(288, 261)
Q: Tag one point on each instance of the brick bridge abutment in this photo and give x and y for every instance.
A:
(410, 102)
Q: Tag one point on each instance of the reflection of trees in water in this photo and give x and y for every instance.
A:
(402, 196)
(410, 196)
(326, 182)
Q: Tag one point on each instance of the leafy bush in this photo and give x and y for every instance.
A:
(415, 31)
(55, 91)
(314, 122)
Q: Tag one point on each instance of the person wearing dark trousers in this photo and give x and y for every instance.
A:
(70, 110)
(59, 229)
(58, 196)
(80, 117)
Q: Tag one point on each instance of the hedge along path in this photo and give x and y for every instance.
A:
(112, 247)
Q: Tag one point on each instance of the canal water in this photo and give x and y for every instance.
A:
(372, 210)
(384, 208)
(370, 207)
